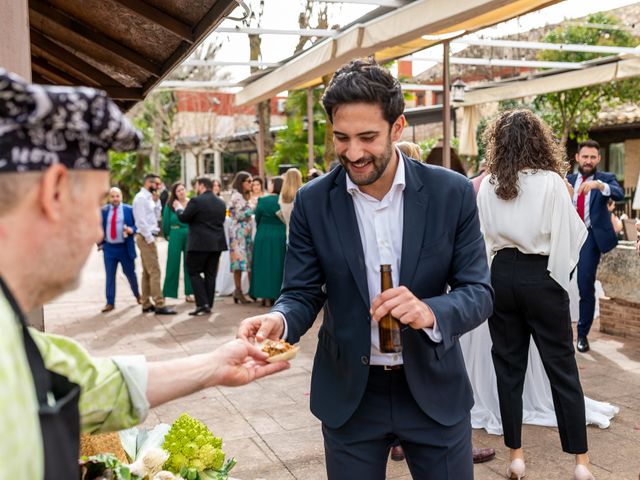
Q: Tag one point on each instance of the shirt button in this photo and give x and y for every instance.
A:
(364, 359)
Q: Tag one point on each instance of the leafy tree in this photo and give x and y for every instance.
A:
(291, 143)
(571, 113)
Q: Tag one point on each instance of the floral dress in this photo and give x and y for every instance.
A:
(240, 233)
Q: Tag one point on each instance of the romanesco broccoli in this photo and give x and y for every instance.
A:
(190, 444)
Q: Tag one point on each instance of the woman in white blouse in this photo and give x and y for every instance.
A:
(533, 236)
(290, 186)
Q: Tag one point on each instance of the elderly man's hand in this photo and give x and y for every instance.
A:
(404, 306)
(239, 362)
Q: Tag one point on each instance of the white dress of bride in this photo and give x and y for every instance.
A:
(537, 401)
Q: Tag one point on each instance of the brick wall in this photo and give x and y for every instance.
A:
(619, 317)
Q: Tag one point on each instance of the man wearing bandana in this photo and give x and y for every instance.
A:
(53, 175)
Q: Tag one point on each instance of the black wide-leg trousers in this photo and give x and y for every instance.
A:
(528, 302)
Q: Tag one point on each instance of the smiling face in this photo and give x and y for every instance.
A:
(588, 159)
(181, 193)
(364, 140)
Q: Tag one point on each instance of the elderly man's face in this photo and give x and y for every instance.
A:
(69, 247)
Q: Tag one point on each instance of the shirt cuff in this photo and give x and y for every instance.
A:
(434, 332)
(135, 373)
(286, 328)
(606, 191)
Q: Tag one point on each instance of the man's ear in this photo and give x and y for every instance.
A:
(53, 187)
(397, 128)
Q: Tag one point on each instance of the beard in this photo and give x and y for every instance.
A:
(379, 164)
(588, 171)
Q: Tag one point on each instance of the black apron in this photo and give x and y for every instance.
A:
(58, 409)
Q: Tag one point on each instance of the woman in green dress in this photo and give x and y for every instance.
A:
(269, 247)
(176, 233)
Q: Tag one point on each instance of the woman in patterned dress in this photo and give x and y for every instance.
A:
(240, 232)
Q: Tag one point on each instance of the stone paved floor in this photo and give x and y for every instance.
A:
(267, 426)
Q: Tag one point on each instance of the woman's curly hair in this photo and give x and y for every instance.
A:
(517, 140)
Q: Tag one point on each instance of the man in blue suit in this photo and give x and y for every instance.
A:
(378, 208)
(592, 191)
(118, 245)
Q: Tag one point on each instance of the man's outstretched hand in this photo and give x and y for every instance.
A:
(261, 327)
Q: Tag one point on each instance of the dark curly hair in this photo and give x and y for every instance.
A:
(518, 140)
(364, 81)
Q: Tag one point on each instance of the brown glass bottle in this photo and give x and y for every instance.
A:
(389, 327)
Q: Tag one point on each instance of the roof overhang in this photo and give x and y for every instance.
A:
(404, 31)
(122, 46)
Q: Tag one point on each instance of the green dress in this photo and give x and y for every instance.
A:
(176, 232)
(268, 250)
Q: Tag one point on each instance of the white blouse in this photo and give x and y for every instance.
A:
(540, 220)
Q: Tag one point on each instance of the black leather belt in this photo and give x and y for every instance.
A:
(387, 368)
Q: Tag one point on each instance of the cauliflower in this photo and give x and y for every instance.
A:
(190, 444)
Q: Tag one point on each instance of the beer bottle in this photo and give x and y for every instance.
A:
(388, 327)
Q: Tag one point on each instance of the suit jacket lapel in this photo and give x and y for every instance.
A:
(592, 198)
(415, 208)
(344, 215)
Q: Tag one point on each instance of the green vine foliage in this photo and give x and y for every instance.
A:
(291, 143)
(571, 113)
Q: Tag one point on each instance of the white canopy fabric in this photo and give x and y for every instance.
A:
(409, 29)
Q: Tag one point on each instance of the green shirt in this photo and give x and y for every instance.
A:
(105, 401)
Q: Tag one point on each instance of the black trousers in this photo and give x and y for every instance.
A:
(528, 302)
(198, 264)
(360, 448)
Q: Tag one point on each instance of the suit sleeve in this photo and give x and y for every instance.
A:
(617, 193)
(133, 221)
(470, 300)
(301, 297)
(187, 215)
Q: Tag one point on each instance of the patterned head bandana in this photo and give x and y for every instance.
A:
(44, 125)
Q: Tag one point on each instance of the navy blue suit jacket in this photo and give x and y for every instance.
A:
(128, 221)
(442, 245)
(601, 226)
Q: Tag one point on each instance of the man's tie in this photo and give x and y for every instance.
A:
(580, 202)
(113, 222)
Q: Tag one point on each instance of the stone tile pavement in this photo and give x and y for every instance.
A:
(267, 426)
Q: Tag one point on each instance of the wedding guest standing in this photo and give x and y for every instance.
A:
(269, 247)
(217, 188)
(290, 186)
(534, 235)
(119, 227)
(257, 191)
(176, 233)
(240, 232)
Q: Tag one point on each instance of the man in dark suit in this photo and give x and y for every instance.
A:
(592, 191)
(378, 208)
(205, 216)
(118, 246)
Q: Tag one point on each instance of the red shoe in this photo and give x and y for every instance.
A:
(397, 454)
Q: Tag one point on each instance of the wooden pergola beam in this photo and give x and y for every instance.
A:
(160, 18)
(71, 24)
(124, 93)
(52, 72)
(68, 59)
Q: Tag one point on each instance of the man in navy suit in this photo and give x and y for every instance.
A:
(118, 245)
(378, 208)
(592, 191)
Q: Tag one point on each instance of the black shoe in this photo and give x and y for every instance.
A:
(165, 311)
(148, 309)
(582, 344)
(203, 310)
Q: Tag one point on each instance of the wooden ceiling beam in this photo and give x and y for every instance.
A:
(68, 59)
(160, 18)
(124, 93)
(70, 24)
(43, 67)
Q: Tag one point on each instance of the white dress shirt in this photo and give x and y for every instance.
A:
(380, 223)
(119, 225)
(145, 213)
(541, 220)
(606, 192)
